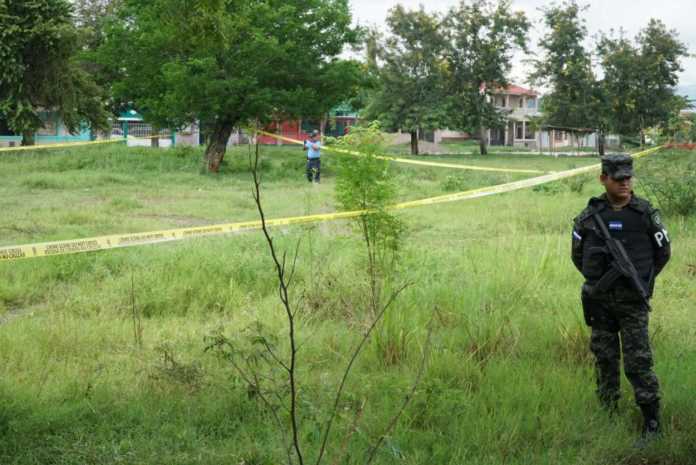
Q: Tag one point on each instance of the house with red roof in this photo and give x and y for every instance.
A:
(520, 105)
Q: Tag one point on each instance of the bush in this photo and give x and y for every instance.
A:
(549, 188)
(455, 183)
(671, 186)
(577, 183)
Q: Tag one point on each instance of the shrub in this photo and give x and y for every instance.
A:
(455, 183)
(577, 183)
(672, 186)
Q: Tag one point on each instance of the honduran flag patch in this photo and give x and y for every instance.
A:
(616, 225)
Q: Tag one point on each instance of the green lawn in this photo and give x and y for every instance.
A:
(471, 147)
(508, 379)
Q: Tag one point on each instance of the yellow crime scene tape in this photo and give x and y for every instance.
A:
(60, 145)
(78, 144)
(406, 160)
(114, 241)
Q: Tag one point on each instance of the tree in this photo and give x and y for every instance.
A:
(40, 72)
(640, 78)
(91, 18)
(226, 63)
(410, 91)
(481, 38)
(369, 77)
(574, 100)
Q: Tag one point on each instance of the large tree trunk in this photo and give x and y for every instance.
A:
(483, 143)
(28, 138)
(217, 145)
(414, 142)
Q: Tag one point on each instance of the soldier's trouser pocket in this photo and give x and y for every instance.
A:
(597, 314)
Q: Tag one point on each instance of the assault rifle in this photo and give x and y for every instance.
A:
(620, 266)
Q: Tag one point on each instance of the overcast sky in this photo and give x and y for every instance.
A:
(602, 15)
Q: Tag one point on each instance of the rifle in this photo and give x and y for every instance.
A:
(621, 266)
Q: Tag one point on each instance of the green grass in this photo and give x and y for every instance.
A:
(509, 379)
(79, 192)
(471, 147)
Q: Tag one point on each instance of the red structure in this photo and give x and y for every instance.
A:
(291, 129)
(337, 123)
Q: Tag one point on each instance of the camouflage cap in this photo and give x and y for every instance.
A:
(617, 166)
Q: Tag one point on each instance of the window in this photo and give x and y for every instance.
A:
(520, 102)
(518, 131)
(531, 103)
(558, 135)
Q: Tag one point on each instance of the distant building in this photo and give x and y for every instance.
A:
(132, 125)
(519, 105)
(53, 131)
(338, 122)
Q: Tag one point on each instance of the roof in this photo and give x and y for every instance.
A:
(344, 110)
(512, 89)
(567, 128)
(130, 115)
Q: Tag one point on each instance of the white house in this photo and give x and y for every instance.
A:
(520, 105)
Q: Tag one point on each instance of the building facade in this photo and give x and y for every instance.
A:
(53, 131)
(519, 105)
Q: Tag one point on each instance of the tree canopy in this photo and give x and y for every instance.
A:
(640, 78)
(226, 63)
(565, 67)
(411, 91)
(482, 36)
(636, 87)
(41, 72)
(441, 72)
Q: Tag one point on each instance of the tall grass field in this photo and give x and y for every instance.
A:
(107, 357)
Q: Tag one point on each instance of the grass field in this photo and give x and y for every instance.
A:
(103, 355)
(471, 147)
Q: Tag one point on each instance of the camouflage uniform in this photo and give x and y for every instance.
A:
(619, 316)
(632, 319)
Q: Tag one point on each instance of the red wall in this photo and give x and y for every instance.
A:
(289, 129)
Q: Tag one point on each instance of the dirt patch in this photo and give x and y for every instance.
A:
(177, 220)
(14, 313)
(429, 148)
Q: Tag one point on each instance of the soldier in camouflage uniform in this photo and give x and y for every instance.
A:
(617, 313)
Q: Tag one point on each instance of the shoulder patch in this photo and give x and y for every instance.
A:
(655, 216)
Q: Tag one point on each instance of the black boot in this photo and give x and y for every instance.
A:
(651, 423)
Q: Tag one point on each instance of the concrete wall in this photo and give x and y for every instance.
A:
(189, 136)
(444, 134)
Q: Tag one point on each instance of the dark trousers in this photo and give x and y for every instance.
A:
(313, 169)
(634, 341)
